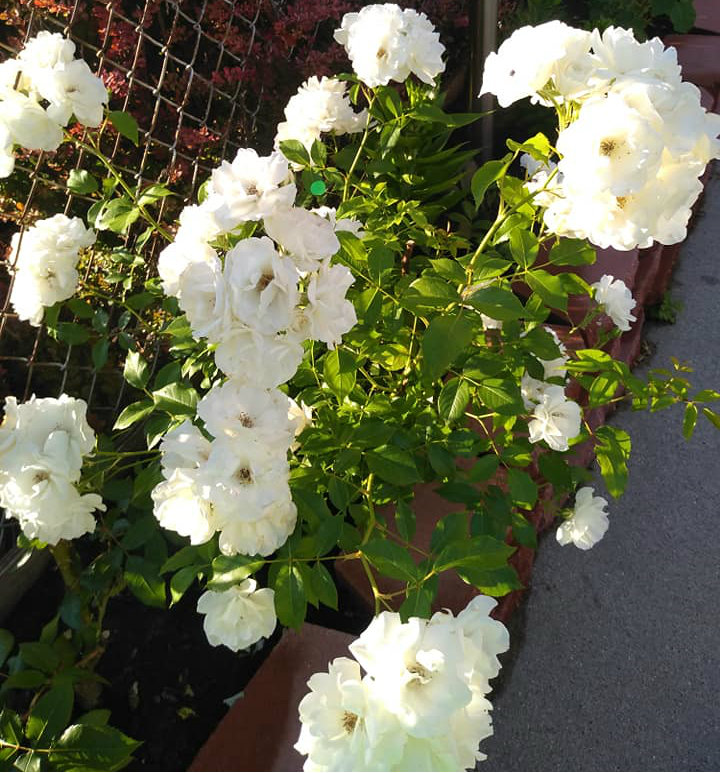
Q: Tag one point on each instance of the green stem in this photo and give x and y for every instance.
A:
(360, 149)
(63, 555)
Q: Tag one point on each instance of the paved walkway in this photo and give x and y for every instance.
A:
(619, 668)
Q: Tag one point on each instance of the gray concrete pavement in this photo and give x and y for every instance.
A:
(616, 664)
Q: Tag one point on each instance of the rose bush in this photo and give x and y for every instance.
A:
(330, 325)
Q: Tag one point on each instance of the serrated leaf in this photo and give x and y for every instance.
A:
(50, 715)
(145, 582)
(324, 586)
(295, 151)
(231, 570)
(92, 747)
(340, 372)
(443, 341)
(549, 287)
(290, 596)
(474, 553)
(180, 582)
(391, 559)
(572, 252)
(133, 413)
(125, 125)
(136, 370)
(81, 181)
(501, 395)
(485, 176)
(498, 303)
(712, 417)
(176, 399)
(523, 489)
(612, 451)
(394, 465)
(453, 399)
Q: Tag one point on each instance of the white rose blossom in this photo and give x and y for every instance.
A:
(320, 106)
(329, 314)
(588, 522)
(616, 300)
(42, 444)
(305, 236)
(385, 42)
(44, 260)
(555, 419)
(239, 616)
(181, 504)
(421, 704)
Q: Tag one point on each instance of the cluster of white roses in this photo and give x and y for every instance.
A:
(421, 704)
(320, 106)
(637, 141)
(386, 42)
(256, 307)
(42, 444)
(45, 70)
(44, 260)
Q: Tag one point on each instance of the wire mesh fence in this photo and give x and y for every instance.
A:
(160, 61)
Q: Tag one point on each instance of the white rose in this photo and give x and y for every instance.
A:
(202, 295)
(248, 414)
(180, 504)
(72, 89)
(307, 237)
(385, 42)
(344, 726)
(555, 419)
(266, 361)
(178, 255)
(184, 446)
(263, 285)
(588, 523)
(274, 524)
(239, 616)
(47, 50)
(250, 188)
(329, 315)
(616, 300)
(28, 124)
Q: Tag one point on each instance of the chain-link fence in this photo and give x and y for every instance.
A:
(161, 61)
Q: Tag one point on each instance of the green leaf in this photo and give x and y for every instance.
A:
(492, 582)
(498, 303)
(80, 181)
(443, 341)
(136, 371)
(96, 717)
(689, 420)
(435, 114)
(405, 519)
(483, 469)
(391, 559)
(339, 371)
(92, 747)
(393, 465)
(523, 247)
(453, 399)
(523, 531)
(318, 153)
(441, 460)
(712, 417)
(572, 252)
(324, 586)
(180, 582)
(72, 333)
(133, 413)
(25, 680)
(7, 642)
(523, 489)
(231, 570)
(340, 493)
(428, 292)
(549, 287)
(100, 353)
(139, 532)
(125, 124)
(613, 451)
(682, 16)
(184, 557)
(50, 715)
(117, 215)
(501, 395)
(10, 728)
(488, 173)
(176, 399)
(475, 553)
(295, 151)
(145, 582)
(152, 193)
(418, 602)
(40, 655)
(290, 597)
